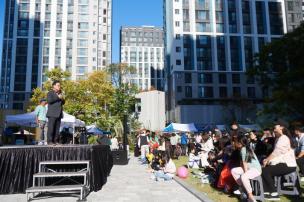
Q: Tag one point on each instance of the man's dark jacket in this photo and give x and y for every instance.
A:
(54, 105)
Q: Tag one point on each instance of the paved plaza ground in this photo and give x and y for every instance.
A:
(126, 183)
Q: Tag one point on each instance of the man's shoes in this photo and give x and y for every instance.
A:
(273, 197)
(40, 143)
(237, 192)
(302, 179)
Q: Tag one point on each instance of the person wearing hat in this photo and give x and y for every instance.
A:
(280, 162)
(40, 113)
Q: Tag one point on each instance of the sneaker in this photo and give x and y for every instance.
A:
(273, 197)
(205, 181)
(302, 179)
(40, 143)
(237, 192)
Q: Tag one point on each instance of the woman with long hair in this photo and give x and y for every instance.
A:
(250, 166)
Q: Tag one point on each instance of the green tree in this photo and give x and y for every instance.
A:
(94, 100)
(280, 68)
(87, 99)
(124, 95)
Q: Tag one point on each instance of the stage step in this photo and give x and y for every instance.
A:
(55, 188)
(63, 162)
(61, 188)
(61, 174)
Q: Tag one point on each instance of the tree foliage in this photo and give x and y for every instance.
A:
(280, 68)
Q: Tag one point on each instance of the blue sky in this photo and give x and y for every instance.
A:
(125, 13)
(134, 13)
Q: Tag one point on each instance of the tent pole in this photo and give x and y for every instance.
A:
(73, 132)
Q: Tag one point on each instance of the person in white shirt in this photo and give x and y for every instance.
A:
(114, 143)
(206, 147)
(280, 162)
(194, 160)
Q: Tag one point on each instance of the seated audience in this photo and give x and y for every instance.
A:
(206, 147)
(194, 161)
(167, 170)
(280, 162)
(259, 148)
(268, 139)
(156, 162)
(250, 167)
(299, 132)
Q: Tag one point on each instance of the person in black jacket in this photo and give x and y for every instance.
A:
(54, 113)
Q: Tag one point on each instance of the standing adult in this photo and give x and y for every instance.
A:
(174, 140)
(184, 143)
(143, 144)
(40, 112)
(54, 113)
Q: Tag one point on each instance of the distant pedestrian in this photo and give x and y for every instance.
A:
(40, 113)
(184, 143)
(54, 113)
(143, 144)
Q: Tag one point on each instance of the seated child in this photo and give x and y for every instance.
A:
(150, 157)
(213, 168)
(212, 160)
(194, 160)
(168, 169)
(156, 162)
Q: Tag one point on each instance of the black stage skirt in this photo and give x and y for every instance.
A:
(18, 164)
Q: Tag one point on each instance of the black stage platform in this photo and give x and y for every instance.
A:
(19, 163)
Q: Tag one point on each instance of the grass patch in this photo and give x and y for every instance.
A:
(215, 194)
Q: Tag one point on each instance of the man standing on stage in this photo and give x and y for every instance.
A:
(40, 112)
(54, 113)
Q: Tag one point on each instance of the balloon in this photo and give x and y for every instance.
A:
(182, 172)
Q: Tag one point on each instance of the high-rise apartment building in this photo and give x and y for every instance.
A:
(209, 45)
(143, 49)
(294, 13)
(74, 35)
(303, 8)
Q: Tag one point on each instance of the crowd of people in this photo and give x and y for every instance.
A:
(229, 159)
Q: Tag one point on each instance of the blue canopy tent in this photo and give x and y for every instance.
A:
(205, 127)
(178, 127)
(97, 131)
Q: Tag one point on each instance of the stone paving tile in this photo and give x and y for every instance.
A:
(129, 183)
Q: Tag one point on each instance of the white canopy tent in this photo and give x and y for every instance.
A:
(29, 120)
